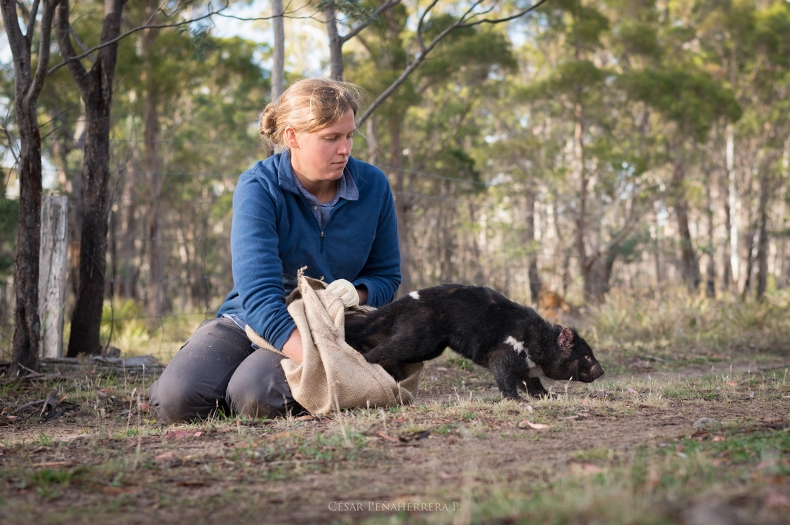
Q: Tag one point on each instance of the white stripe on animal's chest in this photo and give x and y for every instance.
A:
(414, 295)
(519, 347)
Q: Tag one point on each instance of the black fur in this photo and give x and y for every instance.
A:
(478, 323)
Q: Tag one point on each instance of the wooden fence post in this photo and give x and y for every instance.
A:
(52, 272)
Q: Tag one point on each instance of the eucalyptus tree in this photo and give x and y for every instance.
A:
(435, 143)
(747, 43)
(96, 86)
(201, 94)
(30, 50)
(574, 88)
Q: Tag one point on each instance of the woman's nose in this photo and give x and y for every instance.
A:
(345, 147)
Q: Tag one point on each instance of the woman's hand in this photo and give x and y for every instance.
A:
(293, 346)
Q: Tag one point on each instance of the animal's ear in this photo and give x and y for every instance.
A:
(565, 340)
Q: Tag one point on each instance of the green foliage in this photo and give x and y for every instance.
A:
(692, 100)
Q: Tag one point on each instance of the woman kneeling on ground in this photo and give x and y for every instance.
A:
(312, 205)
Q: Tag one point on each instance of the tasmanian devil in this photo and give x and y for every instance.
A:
(511, 340)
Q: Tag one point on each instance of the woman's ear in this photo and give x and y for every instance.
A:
(290, 138)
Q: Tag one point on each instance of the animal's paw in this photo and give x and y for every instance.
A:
(517, 398)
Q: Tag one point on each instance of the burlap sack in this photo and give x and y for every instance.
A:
(333, 375)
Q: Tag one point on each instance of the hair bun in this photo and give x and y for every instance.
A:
(268, 121)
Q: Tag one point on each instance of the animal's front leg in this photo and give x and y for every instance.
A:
(504, 367)
(535, 387)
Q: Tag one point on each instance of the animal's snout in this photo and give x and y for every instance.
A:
(594, 373)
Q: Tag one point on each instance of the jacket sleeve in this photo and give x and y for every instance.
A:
(381, 273)
(257, 268)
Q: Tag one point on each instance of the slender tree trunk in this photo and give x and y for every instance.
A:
(749, 249)
(128, 262)
(762, 240)
(688, 258)
(335, 42)
(155, 299)
(86, 318)
(710, 274)
(726, 249)
(278, 58)
(783, 262)
(403, 202)
(748, 238)
(561, 250)
(732, 210)
(96, 88)
(578, 150)
(27, 324)
(371, 131)
(657, 246)
(535, 283)
(449, 240)
(28, 84)
(479, 277)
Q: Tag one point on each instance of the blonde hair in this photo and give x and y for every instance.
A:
(308, 105)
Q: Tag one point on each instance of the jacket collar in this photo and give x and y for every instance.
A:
(287, 178)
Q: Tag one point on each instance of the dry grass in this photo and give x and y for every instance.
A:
(689, 425)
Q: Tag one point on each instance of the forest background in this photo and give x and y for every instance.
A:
(594, 149)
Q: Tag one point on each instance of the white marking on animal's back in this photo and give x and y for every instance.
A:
(519, 347)
(414, 295)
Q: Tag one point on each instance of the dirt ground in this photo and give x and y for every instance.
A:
(456, 449)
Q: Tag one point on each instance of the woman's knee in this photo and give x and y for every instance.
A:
(258, 388)
(193, 384)
(176, 400)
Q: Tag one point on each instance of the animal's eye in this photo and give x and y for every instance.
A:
(588, 358)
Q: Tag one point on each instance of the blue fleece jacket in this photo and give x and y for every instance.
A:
(274, 233)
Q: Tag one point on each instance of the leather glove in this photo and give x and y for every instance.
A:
(345, 290)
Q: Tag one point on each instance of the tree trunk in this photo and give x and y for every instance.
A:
(448, 235)
(403, 202)
(688, 258)
(601, 274)
(762, 240)
(535, 283)
(727, 276)
(278, 58)
(731, 211)
(710, 273)
(561, 249)
(371, 132)
(581, 177)
(479, 277)
(28, 84)
(128, 262)
(86, 318)
(335, 42)
(27, 324)
(96, 89)
(748, 246)
(155, 298)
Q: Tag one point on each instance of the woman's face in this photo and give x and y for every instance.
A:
(322, 155)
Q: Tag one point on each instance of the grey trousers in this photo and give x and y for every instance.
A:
(218, 370)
